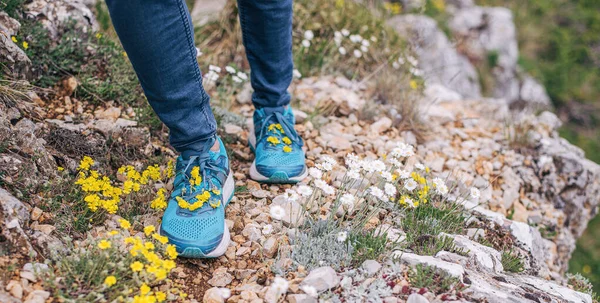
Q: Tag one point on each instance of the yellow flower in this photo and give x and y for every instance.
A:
(125, 54)
(14, 39)
(439, 5)
(25, 45)
(287, 149)
(86, 163)
(104, 244)
(586, 269)
(159, 202)
(171, 251)
(273, 140)
(137, 266)
(149, 245)
(286, 140)
(124, 224)
(148, 230)
(215, 204)
(110, 281)
(161, 239)
(112, 233)
(168, 264)
(182, 203)
(60, 168)
(98, 35)
(216, 191)
(413, 84)
(144, 289)
(160, 296)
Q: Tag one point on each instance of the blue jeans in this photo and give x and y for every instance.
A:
(158, 37)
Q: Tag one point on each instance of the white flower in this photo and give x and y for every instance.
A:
(377, 165)
(324, 166)
(373, 38)
(296, 74)
(198, 52)
(304, 190)
(211, 76)
(347, 201)
(242, 76)
(376, 192)
(366, 43)
(230, 69)
(267, 229)
(329, 159)
(353, 162)
(475, 193)
(225, 293)
(412, 60)
(395, 65)
(364, 48)
(214, 68)
(440, 186)
(390, 189)
(353, 174)
(410, 184)
(356, 38)
(401, 60)
(342, 50)
(309, 35)
(337, 35)
(404, 174)
(386, 175)
(403, 150)
(319, 183)
(328, 190)
(357, 53)
(291, 195)
(315, 173)
(280, 285)
(419, 166)
(342, 236)
(345, 32)
(236, 79)
(305, 43)
(277, 212)
(409, 201)
(394, 162)
(309, 290)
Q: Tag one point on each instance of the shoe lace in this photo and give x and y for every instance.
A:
(207, 168)
(276, 121)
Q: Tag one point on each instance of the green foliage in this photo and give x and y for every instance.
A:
(12, 7)
(436, 281)
(424, 224)
(368, 245)
(586, 257)
(511, 262)
(579, 283)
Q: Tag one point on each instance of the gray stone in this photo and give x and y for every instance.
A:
(220, 277)
(454, 270)
(416, 298)
(441, 63)
(301, 298)
(322, 278)
(205, 11)
(371, 267)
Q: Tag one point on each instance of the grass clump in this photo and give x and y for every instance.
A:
(512, 262)
(368, 245)
(424, 224)
(436, 281)
(114, 267)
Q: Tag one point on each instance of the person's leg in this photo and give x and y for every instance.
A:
(159, 40)
(267, 35)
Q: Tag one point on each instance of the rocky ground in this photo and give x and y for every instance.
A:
(537, 193)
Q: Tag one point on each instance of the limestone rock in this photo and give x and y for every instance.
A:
(322, 278)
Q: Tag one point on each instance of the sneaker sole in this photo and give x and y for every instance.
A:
(196, 252)
(278, 177)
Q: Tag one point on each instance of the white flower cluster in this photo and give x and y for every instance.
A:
(308, 36)
(413, 63)
(214, 71)
(280, 286)
(360, 44)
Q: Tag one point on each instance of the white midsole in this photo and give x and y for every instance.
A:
(256, 176)
(228, 187)
(222, 247)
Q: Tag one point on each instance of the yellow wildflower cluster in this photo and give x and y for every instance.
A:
(195, 178)
(145, 261)
(102, 194)
(278, 129)
(160, 202)
(393, 7)
(201, 199)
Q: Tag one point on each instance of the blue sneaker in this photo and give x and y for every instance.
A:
(278, 148)
(194, 220)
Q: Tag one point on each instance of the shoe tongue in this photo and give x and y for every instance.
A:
(270, 110)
